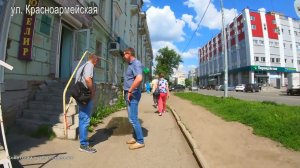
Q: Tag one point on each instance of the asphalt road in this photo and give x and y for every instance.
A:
(275, 96)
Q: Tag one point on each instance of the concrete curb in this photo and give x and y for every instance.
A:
(192, 143)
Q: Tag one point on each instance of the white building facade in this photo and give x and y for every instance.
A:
(262, 48)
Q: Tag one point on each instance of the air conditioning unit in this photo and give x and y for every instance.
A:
(114, 48)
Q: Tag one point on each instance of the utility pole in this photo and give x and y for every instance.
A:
(225, 52)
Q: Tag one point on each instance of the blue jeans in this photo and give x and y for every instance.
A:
(84, 122)
(132, 109)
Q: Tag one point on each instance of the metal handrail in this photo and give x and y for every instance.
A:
(65, 91)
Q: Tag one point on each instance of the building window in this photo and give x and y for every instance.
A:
(255, 42)
(276, 44)
(252, 18)
(292, 60)
(99, 52)
(291, 45)
(261, 42)
(274, 21)
(285, 60)
(272, 59)
(102, 8)
(263, 59)
(289, 32)
(277, 60)
(253, 27)
(45, 27)
(256, 59)
(298, 61)
(284, 45)
(282, 31)
(296, 34)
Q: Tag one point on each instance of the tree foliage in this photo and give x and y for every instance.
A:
(167, 60)
(188, 82)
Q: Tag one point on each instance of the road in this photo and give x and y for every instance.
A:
(274, 96)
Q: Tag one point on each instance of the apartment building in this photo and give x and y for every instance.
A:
(45, 47)
(262, 47)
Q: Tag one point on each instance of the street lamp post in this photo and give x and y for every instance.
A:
(225, 53)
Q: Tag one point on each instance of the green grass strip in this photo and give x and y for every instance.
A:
(278, 122)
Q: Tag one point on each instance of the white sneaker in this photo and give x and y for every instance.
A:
(160, 114)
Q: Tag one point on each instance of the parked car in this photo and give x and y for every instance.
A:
(177, 88)
(218, 87)
(251, 88)
(229, 88)
(240, 88)
(194, 88)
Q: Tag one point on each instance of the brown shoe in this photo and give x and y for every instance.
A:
(136, 146)
(131, 141)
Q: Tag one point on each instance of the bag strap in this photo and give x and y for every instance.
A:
(81, 74)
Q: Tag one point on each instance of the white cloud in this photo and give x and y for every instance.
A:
(189, 20)
(191, 53)
(213, 17)
(163, 25)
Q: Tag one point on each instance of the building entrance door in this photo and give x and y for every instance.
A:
(66, 52)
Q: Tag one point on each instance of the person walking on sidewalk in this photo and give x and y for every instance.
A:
(85, 75)
(164, 94)
(154, 84)
(132, 81)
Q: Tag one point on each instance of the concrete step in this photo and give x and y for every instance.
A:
(46, 106)
(29, 125)
(51, 97)
(58, 129)
(49, 116)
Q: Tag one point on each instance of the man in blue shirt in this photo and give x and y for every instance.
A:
(133, 78)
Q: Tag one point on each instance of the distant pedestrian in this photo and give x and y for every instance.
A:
(85, 75)
(164, 94)
(132, 81)
(154, 84)
(148, 87)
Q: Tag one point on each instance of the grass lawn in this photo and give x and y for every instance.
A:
(278, 122)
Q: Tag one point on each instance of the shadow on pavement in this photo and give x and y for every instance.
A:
(117, 126)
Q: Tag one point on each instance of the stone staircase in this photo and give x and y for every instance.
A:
(47, 109)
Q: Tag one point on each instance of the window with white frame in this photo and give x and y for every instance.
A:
(262, 59)
(292, 60)
(272, 59)
(256, 59)
(277, 60)
(298, 61)
(296, 33)
(252, 18)
(255, 42)
(285, 60)
(261, 42)
(284, 45)
(289, 32)
(273, 21)
(253, 27)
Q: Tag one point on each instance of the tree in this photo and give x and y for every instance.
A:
(188, 82)
(167, 60)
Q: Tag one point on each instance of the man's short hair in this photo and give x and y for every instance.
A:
(93, 56)
(130, 50)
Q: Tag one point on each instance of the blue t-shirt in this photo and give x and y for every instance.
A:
(134, 68)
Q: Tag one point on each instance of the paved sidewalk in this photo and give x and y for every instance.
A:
(231, 144)
(165, 145)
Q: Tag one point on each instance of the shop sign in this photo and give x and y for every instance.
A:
(26, 37)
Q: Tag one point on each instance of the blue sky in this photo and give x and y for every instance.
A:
(172, 22)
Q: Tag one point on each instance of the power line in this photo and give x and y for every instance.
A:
(197, 26)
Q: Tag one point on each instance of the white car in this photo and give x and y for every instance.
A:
(240, 87)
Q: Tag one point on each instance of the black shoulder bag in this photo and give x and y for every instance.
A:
(79, 92)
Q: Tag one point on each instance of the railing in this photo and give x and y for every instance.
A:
(64, 94)
(66, 107)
